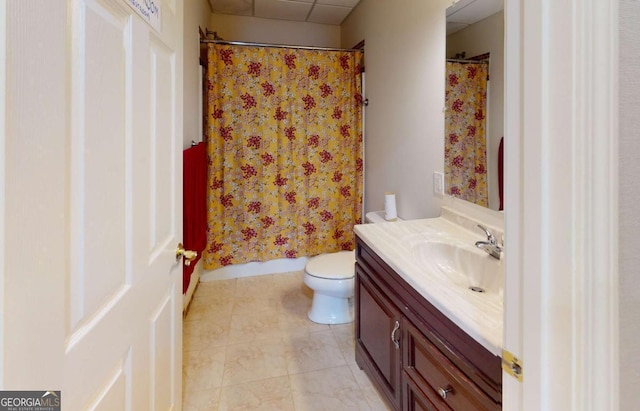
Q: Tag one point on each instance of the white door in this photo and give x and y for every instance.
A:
(93, 211)
(561, 290)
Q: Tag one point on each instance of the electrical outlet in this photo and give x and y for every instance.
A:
(438, 183)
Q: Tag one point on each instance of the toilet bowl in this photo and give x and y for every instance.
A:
(331, 277)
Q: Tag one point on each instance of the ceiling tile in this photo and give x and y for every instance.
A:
(466, 11)
(343, 3)
(282, 9)
(328, 14)
(236, 7)
(453, 27)
(457, 6)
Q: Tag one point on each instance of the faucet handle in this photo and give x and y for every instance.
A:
(490, 236)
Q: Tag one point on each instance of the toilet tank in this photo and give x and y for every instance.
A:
(374, 217)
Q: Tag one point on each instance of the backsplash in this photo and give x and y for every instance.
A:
(469, 215)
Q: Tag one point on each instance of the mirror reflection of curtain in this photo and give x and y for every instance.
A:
(285, 152)
(465, 159)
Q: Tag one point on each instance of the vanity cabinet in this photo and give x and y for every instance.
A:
(417, 357)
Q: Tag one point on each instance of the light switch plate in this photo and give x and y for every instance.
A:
(438, 183)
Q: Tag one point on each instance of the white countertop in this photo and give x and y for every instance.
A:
(478, 314)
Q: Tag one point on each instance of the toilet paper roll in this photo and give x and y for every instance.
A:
(390, 213)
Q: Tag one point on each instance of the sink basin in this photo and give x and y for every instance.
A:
(465, 266)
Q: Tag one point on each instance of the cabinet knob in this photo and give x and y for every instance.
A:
(444, 392)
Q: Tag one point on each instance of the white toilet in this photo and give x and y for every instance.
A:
(332, 279)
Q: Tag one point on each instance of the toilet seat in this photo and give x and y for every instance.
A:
(334, 266)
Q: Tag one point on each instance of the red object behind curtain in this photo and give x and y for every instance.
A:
(194, 200)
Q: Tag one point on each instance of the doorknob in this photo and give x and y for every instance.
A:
(188, 255)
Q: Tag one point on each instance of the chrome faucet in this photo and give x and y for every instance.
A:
(491, 245)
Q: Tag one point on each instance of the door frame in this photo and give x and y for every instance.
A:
(561, 291)
(3, 137)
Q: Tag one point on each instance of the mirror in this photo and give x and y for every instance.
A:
(474, 113)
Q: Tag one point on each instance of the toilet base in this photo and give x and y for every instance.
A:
(330, 310)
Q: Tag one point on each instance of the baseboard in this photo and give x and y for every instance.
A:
(193, 283)
(283, 265)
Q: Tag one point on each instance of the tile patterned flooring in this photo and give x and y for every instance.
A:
(248, 345)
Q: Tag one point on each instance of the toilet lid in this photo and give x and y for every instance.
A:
(335, 266)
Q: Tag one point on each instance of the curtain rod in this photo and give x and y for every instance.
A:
(467, 61)
(284, 46)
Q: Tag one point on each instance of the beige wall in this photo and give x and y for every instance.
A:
(257, 30)
(404, 60)
(629, 223)
(197, 13)
(487, 36)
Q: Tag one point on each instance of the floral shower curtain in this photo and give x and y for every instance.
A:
(465, 136)
(285, 152)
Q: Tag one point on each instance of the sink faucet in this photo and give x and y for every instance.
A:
(491, 245)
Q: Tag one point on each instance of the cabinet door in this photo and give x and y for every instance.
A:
(378, 332)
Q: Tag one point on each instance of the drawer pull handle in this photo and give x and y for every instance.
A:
(444, 391)
(393, 335)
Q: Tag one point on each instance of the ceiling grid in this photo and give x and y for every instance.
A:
(460, 14)
(313, 11)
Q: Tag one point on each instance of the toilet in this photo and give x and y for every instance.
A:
(332, 279)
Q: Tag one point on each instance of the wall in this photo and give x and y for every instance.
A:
(487, 36)
(257, 30)
(404, 60)
(629, 198)
(197, 13)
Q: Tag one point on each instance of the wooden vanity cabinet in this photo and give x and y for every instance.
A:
(416, 356)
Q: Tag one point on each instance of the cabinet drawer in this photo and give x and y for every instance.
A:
(430, 369)
(416, 400)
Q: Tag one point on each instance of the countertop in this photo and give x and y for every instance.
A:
(478, 314)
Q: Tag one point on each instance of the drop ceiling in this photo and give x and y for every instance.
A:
(463, 13)
(460, 14)
(312, 11)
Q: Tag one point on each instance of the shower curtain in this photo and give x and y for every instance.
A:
(465, 136)
(285, 152)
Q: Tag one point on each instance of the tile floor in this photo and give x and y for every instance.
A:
(248, 345)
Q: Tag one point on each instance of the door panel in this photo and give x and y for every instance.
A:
(163, 354)
(98, 144)
(162, 146)
(116, 389)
